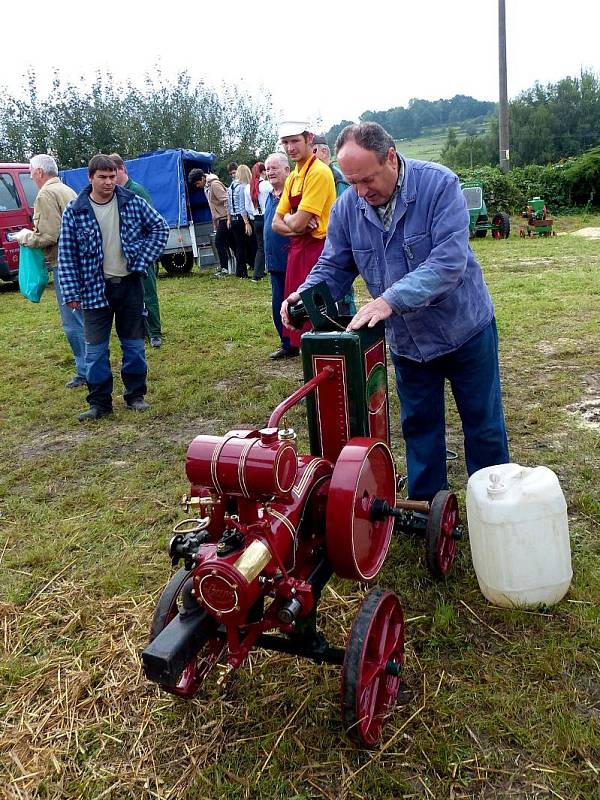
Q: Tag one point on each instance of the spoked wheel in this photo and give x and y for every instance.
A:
(441, 533)
(167, 609)
(371, 671)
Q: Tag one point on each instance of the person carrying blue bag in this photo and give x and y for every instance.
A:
(42, 243)
(33, 273)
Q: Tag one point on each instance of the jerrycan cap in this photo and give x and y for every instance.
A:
(495, 487)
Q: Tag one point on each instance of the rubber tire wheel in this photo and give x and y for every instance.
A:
(166, 609)
(502, 221)
(481, 234)
(177, 263)
(443, 502)
(360, 644)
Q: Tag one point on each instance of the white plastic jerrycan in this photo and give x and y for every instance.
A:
(519, 535)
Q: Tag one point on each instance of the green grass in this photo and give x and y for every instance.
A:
(495, 704)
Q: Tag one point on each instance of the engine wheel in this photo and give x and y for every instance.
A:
(440, 534)
(168, 607)
(356, 544)
(372, 664)
(177, 263)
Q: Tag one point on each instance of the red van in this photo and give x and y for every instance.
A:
(17, 194)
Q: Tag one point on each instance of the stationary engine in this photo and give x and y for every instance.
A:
(270, 526)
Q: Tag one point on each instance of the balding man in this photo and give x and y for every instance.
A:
(405, 229)
(48, 208)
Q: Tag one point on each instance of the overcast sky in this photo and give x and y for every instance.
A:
(323, 61)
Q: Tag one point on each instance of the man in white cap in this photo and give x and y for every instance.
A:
(304, 208)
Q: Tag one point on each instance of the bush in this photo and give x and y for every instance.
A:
(572, 183)
(499, 192)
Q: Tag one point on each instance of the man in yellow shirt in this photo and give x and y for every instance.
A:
(304, 208)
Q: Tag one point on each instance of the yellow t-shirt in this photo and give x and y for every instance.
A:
(318, 193)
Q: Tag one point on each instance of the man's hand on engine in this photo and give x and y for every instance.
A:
(370, 314)
(290, 300)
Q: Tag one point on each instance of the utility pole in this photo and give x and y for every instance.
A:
(503, 106)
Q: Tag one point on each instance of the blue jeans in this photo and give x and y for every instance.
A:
(126, 306)
(474, 376)
(72, 323)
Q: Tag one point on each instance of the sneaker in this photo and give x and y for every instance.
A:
(75, 382)
(284, 352)
(139, 404)
(94, 413)
(155, 341)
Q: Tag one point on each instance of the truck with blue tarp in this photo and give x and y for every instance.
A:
(164, 174)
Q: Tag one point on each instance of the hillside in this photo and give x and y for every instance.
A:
(430, 144)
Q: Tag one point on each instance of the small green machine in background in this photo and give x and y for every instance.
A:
(538, 221)
(479, 222)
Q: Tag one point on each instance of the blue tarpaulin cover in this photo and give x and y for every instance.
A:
(163, 173)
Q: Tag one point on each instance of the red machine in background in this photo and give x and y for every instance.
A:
(272, 526)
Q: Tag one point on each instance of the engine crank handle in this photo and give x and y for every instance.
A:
(379, 509)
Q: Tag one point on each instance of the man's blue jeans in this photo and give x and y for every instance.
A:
(72, 323)
(126, 304)
(474, 376)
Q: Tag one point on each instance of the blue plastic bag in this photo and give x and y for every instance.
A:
(33, 273)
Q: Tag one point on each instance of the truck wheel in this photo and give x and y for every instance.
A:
(501, 223)
(177, 263)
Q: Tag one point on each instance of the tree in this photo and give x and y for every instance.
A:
(73, 123)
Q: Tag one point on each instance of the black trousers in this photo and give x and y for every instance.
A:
(221, 243)
(239, 238)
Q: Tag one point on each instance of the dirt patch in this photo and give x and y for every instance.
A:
(542, 261)
(588, 233)
(587, 410)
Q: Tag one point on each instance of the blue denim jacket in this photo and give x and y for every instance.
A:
(423, 266)
(143, 232)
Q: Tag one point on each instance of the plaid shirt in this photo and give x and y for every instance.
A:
(143, 234)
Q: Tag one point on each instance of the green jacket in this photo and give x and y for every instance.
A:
(138, 189)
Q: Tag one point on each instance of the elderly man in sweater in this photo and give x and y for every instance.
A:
(48, 208)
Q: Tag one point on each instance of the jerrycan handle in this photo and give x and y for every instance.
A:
(497, 487)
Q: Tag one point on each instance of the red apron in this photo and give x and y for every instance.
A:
(303, 254)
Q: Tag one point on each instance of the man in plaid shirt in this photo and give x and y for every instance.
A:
(109, 238)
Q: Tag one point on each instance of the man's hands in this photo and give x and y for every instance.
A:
(370, 314)
(301, 222)
(20, 236)
(290, 300)
(73, 304)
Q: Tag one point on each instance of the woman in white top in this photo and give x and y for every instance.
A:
(243, 177)
(257, 193)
